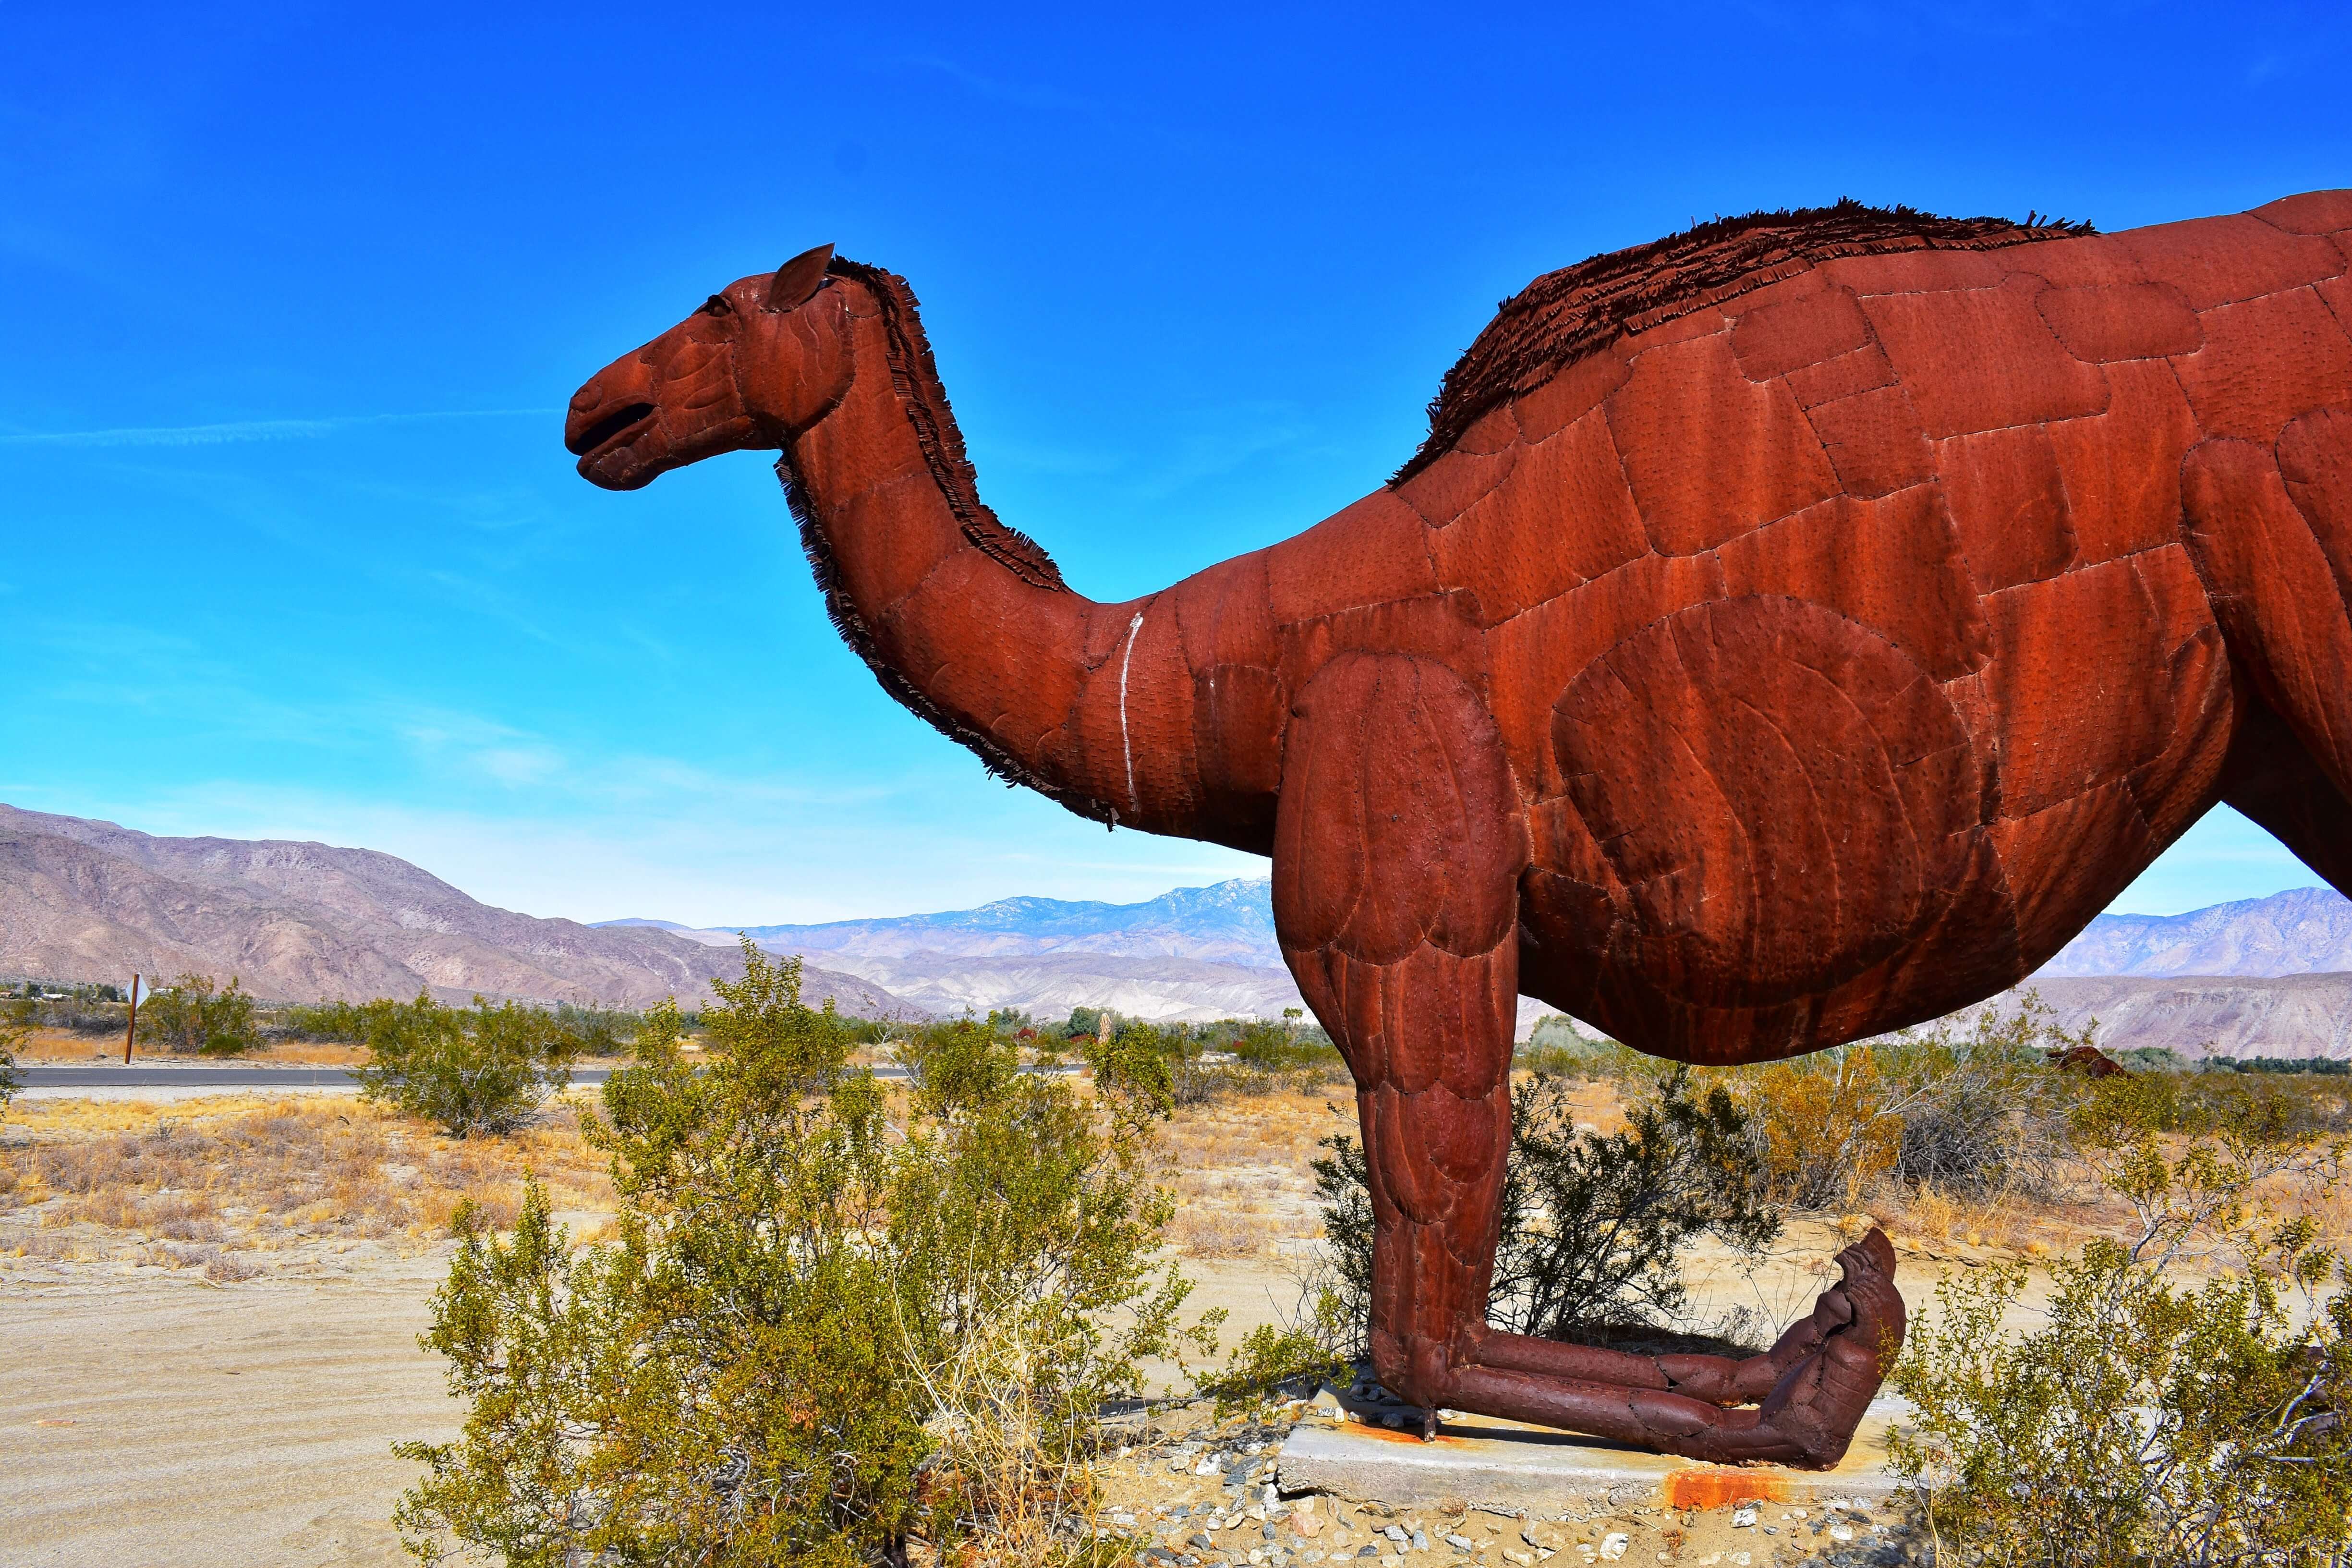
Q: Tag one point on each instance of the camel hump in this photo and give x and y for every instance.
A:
(1562, 316)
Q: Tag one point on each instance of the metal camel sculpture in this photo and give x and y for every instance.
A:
(1790, 630)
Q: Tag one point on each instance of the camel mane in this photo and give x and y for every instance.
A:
(915, 378)
(1563, 316)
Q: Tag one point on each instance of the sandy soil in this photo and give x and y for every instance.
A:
(154, 1419)
(164, 1421)
(226, 1388)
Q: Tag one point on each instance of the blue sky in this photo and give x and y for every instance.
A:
(295, 297)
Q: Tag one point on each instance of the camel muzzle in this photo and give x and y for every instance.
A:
(583, 442)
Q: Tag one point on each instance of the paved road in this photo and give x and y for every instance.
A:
(255, 1079)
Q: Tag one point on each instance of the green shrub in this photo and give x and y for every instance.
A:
(81, 1009)
(471, 1070)
(2151, 1059)
(1593, 1225)
(2148, 1419)
(596, 1031)
(190, 1018)
(14, 1026)
(1286, 1048)
(1163, 1066)
(2317, 1067)
(342, 1020)
(1556, 1048)
(838, 1319)
(1197, 1064)
(587, 1030)
(1343, 1181)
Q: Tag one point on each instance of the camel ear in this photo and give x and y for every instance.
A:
(797, 280)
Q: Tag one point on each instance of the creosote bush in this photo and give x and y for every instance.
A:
(839, 1320)
(2149, 1418)
(471, 1070)
(77, 1007)
(190, 1018)
(1592, 1224)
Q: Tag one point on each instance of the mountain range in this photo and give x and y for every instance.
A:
(297, 922)
(2299, 931)
(2299, 1016)
(2271, 976)
(1225, 922)
(1193, 954)
(303, 922)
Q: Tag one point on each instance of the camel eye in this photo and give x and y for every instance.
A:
(719, 305)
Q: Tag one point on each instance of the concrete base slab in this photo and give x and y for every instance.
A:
(1491, 1463)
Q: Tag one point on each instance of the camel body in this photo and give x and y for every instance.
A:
(1810, 653)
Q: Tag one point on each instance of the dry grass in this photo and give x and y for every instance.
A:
(218, 1185)
(63, 1047)
(1016, 1470)
(1242, 1171)
(1959, 1227)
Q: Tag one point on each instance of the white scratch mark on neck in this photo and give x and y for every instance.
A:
(1126, 748)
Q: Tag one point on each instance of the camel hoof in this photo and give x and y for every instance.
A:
(1819, 1404)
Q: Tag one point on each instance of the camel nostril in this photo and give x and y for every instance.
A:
(604, 429)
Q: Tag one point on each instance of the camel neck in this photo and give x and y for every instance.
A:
(963, 620)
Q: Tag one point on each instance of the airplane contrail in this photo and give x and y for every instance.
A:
(245, 429)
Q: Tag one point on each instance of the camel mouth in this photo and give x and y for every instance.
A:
(610, 430)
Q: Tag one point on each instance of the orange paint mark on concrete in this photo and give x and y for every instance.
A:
(1412, 1437)
(1721, 1487)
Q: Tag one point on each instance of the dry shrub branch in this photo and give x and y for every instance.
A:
(1593, 1224)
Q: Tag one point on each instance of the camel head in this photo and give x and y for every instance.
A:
(760, 359)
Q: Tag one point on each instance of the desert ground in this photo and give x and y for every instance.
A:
(209, 1307)
(210, 1304)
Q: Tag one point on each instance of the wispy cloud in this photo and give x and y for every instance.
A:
(1023, 95)
(239, 430)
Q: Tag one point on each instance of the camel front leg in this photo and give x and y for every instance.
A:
(1398, 846)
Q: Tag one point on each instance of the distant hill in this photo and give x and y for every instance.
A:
(1202, 952)
(1048, 984)
(90, 901)
(2299, 931)
(1192, 955)
(297, 922)
(1225, 922)
(2299, 1016)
